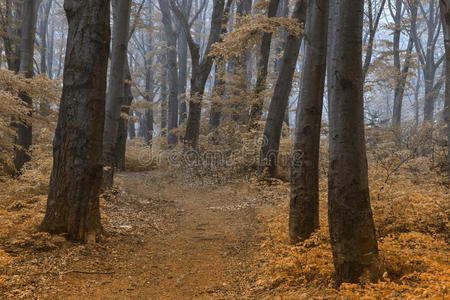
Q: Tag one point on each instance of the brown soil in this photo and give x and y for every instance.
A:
(168, 238)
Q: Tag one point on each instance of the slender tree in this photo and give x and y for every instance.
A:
(280, 98)
(352, 230)
(263, 66)
(73, 199)
(304, 205)
(116, 93)
(24, 127)
(200, 68)
(172, 71)
(374, 15)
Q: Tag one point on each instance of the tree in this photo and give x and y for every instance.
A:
(172, 71)
(427, 54)
(304, 205)
(372, 30)
(263, 66)
(401, 69)
(73, 198)
(279, 102)
(24, 127)
(200, 69)
(116, 93)
(445, 17)
(352, 230)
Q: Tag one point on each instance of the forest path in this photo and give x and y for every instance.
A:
(172, 239)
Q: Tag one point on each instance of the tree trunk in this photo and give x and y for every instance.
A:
(263, 64)
(148, 118)
(43, 32)
(73, 199)
(182, 62)
(445, 17)
(24, 127)
(352, 230)
(121, 21)
(122, 131)
(400, 87)
(172, 71)
(200, 69)
(304, 205)
(280, 98)
(131, 128)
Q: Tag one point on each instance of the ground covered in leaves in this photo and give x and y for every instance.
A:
(171, 235)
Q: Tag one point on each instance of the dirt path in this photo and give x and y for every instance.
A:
(169, 239)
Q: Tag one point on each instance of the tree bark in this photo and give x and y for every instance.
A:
(122, 131)
(182, 63)
(121, 24)
(280, 98)
(172, 71)
(24, 127)
(304, 205)
(445, 17)
(73, 199)
(352, 230)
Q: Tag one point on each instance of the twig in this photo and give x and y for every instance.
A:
(88, 272)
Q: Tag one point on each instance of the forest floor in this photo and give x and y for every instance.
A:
(167, 237)
(171, 234)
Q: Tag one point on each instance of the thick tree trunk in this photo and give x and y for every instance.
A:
(263, 66)
(73, 199)
(172, 71)
(352, 230)
(24, 127)
(121, 21)
(280, 98)
(304, 205)
(445, 18)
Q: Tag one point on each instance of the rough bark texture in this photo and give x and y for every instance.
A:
(121, 21)
(263, 66)
(352, 230)
(172, 71)
(304, 205)
(445, 17)
(280, 98)
(24, 127)
(73, 199)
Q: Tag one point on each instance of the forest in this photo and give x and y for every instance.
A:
(224, 149)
